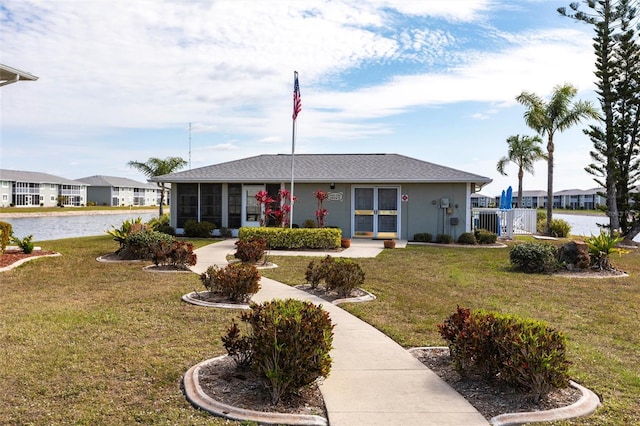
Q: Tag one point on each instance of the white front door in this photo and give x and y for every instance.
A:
(375, 213)
(250, 206)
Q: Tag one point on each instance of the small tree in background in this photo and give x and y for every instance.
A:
(523, 152)
(157, 167)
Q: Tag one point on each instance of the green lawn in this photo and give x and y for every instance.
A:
(83, 342)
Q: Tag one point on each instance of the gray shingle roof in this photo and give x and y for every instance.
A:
(35, 177)
(99, 180)
(351, 168)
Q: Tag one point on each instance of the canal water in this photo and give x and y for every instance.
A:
(45, 228)
(56, 227)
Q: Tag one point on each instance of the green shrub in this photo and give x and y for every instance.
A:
(467, 238)
(523, 353)
(343, 276)
(25, 244)
(318, 270)
(195, 229)
(143, 244)
(444, 239)
(250, 251)
(601, 247)
(161, 224)
(534, 257)
(484, 236)
(559, 228)
(423, 237)
(177, 254)
(309, 223)
(237, 282)
(6, 231)
(296, 238)
(533, 356)
(120, 234)
(290, 342)
(226, 232)
(238, 346)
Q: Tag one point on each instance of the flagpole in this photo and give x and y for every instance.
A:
(293, 149)
(297, 107)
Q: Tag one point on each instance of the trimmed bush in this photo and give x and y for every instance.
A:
(237, 282)
(559, 228)
(534, 257)
(467, 238)
(484, 236)
(250, 251)
(343, 276)
(290, 342)
(524, 353)
(444, 239)
(143, 244)
(6, 231)
(318, 270)
(195, 229)
(297, 238)
(423, 237)
(177, 254)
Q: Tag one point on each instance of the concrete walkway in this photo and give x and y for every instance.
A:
(373, 380)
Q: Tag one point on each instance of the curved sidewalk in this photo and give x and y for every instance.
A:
(373, 380)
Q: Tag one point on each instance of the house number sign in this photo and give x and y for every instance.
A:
(335, 196)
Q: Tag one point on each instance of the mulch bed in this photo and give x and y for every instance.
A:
(10, 257)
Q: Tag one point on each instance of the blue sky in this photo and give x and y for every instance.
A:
(431, 79)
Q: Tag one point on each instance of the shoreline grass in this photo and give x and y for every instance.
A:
(82, 342)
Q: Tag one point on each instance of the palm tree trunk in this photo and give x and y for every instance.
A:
(160, 209)
(550, 149)
(520, 177)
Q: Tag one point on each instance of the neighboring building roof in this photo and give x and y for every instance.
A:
(35, 177)
(10, 75)
(114, 181)
(370, 168)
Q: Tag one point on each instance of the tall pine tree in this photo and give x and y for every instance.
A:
(616, 164)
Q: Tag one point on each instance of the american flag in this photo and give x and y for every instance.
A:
(297, 99)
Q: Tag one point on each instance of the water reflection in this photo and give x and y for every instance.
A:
(56, 227)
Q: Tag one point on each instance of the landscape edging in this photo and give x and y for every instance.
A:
(196, 396)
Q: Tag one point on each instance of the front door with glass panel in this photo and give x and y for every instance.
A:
(250, 206)
(375, 213)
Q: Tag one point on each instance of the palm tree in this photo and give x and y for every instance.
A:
(556, 115)
(523, 151)
(158, 167)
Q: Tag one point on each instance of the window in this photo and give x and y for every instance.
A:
(4, 197)
(5, 184)
(52, 186)
(187, 203)
(235, 205)
(211, 203)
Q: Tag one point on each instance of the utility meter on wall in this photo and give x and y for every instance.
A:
(444, 203)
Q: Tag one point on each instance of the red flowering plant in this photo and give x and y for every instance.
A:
(321, 212)
(277, 209)
(264, 200)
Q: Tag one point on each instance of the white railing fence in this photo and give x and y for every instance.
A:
(505, 223)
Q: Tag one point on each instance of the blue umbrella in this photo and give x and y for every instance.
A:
(509, 197)
(503, 200)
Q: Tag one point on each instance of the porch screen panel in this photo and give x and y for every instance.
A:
(187, 203)
(211, 203)
(234, 219)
